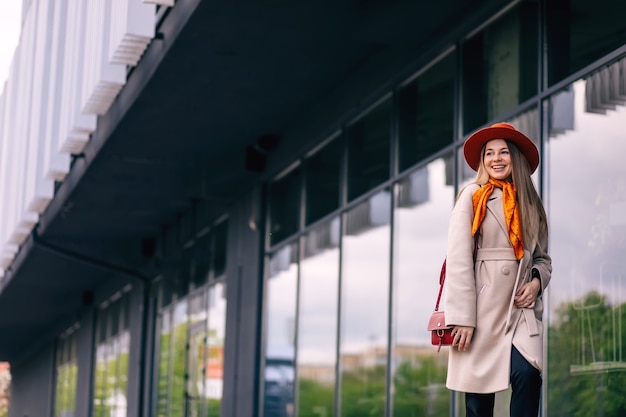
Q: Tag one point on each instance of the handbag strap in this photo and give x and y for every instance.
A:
(442, 274)
(442, 278)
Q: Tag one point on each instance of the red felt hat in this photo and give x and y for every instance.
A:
(474, 144)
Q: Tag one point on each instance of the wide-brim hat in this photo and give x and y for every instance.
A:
(474, 144)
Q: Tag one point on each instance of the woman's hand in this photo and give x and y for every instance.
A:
(462, 337)
(526, 296)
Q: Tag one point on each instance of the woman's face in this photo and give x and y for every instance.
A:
(497, 159)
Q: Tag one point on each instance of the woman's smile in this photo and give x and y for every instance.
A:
(497, 159)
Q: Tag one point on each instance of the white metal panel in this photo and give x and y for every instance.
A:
(103, 80)
(56, 164)
(5, 258)
(8, 162)
(76, 126)
(22, 221)
(68, 67)
(161, 2)
(132, 29)
(39, 190)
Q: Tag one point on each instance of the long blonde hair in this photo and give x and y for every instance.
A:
(534, 219)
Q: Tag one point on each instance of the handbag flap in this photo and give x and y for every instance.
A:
(437, 321)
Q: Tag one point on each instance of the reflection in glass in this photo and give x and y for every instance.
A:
(111, 368)
(425, 113)
(423, 203)
(201, 261)
(317, 327)
(365, 306)
(280, 332)
(368, 150)
(587, 213)
(215, 354)
(580, 32)
(100, 374)
(219, 245)
(500, 66)
(322, 181)
(121, 392)
(164, 326)
(196, 354)
(66, 368)
(284, 205)
(180, 325)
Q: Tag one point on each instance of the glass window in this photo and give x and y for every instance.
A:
(196, 357)
(220, 240)
(180, 325)
(586, 186)
(423, 203)
(500, 66)
(111, 352)
(171, 357)
(189, 355)
(66, 369)
(208, 256)
(201, 261)
(284, 204)
(365, 270)
(164, 338)
(322, 181)
(186, 269)
(317, 321)
(426, 113)
(579, 32)
(214, 371)
(369, 150)
(280, 332)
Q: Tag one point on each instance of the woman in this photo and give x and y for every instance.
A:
(493, 289)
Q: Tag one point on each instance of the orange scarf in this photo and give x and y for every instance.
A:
(511, 211)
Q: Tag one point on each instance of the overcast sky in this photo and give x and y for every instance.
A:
(10, 20)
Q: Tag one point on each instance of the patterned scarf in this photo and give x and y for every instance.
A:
(511, 211)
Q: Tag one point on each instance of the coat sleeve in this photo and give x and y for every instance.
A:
(542, 262)
(460, 286)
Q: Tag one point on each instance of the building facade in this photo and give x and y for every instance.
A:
(240, 209)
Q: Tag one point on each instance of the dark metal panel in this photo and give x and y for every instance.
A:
(32, 384)
(243, 318)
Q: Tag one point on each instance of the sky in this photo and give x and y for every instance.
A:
(10, 22)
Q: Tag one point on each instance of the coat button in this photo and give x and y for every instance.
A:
(506, 271)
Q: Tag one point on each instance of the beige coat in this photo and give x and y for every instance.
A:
(481, 295)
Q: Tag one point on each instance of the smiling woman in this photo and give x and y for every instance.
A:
(10, 20)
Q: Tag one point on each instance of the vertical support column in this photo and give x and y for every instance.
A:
(244, 286)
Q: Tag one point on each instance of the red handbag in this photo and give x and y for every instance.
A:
(441, 335)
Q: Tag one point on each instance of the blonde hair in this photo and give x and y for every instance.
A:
(532, 212)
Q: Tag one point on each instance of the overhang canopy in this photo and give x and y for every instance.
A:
(219, 76)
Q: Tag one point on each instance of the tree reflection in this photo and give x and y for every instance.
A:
(419, 387)
(586, 367)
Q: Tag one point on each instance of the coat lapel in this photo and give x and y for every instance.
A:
(495, 206)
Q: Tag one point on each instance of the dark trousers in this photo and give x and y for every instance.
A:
(526, 390)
